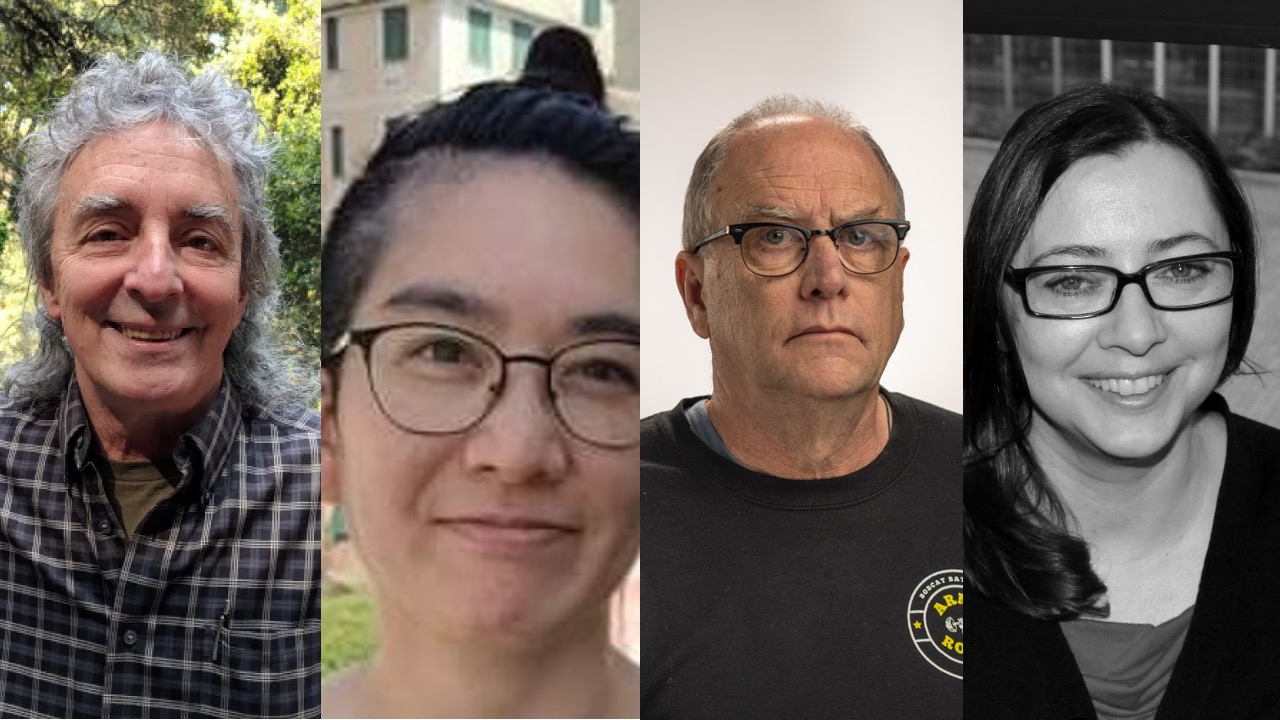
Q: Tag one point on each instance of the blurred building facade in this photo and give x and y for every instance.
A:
(1230, 90)
(384, 58)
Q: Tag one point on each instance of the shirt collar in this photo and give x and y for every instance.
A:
(207, 445)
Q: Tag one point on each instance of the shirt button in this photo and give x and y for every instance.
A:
(130, 637)
(104, 526)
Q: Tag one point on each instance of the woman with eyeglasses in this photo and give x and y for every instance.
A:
(481, 403)
(1122, 526)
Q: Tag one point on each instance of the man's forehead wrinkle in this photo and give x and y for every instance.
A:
(118, 185)
(193, 155)
(800, 194)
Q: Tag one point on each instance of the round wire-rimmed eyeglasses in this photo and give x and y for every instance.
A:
(436, 379)
(865, 247)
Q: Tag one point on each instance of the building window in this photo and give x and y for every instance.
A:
(479, 24)
(521, 37)
(338, 525)
(335, 150)
(395, 33)
(591, 13)
(331, 43)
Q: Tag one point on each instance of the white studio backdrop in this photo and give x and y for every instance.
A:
(895, 65)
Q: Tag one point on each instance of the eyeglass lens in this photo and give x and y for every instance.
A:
(1175, 284)
(780, 249)
(436, 380)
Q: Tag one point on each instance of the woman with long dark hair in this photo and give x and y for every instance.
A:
(1120, 521)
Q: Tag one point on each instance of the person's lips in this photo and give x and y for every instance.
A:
(508, 520)
(507, 533)
(1133, 388)
(824, 331)
(1128, 386)
(146, 333)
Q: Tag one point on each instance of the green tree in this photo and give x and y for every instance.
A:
(277, 57)
(44, 44)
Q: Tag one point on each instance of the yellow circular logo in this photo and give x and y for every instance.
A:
(935, 617)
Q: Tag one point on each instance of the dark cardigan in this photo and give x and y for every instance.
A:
(1019, 667)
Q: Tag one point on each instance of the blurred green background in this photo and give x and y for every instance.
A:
(348, 629)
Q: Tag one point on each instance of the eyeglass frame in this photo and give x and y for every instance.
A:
(738, 230)
(364, 338)
(1017, 277)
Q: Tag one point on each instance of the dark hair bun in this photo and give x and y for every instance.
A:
(562, 59)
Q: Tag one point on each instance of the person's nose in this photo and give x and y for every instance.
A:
(154, 275)
(520, 441)
(822, 274)
(1133, 325)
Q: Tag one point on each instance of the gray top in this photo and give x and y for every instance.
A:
(697, 416)
(1127, 666)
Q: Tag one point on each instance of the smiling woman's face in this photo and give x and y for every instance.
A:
(513, 529)
(1121, 385)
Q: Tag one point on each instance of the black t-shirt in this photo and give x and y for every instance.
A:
(773, 598)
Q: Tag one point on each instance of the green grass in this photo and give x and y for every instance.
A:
(347, 631)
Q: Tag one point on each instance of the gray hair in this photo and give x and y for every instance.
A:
(697, 205)
(116, 95)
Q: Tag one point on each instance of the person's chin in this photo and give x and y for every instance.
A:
(1138, 428)
(1134, 442)
(516, 618)
(830, 383)
(499, 594)
(158, 387)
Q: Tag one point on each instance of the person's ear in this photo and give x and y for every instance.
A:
(690, 270)
(330, 440)
(50, 298)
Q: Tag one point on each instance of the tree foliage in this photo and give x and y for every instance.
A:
(44, 44)
(277, 57)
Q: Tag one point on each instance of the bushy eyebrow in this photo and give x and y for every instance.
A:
(104, 202)
(770, 212)
(220, 215)
(93, 204)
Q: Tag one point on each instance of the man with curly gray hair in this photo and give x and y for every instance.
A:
(159, 549)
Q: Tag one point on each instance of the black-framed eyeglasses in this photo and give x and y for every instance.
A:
(434, 379)
(1075, 292)
(865, 247)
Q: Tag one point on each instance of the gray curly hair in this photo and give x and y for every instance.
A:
(697, 206)
(115, 95)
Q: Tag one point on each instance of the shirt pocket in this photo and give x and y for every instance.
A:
(270, 673)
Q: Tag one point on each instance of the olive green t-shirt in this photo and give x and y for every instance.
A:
(137, 487)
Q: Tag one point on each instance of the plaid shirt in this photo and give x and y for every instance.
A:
(211, 609)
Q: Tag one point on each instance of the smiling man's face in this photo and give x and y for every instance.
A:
(146, 268)
(821, 331)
